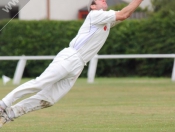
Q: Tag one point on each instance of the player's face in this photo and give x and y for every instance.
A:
(101, 4)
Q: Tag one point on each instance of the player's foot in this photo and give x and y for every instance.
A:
(4, 118)
(1, 109)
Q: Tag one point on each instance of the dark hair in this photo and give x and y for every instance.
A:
(93, 3)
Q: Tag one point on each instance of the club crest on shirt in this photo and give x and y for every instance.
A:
(105, 28)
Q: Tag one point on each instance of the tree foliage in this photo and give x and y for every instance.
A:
(148, 36)
(164, 8)
(122, 5)
(163, 5)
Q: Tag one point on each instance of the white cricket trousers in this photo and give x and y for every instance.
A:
(50, 86)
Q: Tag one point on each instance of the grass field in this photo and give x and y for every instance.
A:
(108, 105)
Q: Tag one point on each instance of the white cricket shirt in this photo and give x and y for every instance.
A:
(93, 33)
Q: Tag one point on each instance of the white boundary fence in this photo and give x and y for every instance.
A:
(94, 62)
(22, 63)
(92, 66)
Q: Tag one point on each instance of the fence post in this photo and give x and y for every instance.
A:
(92, 69)
(19, 70)
(173, 73)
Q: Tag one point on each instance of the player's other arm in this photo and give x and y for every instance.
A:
(128, 10)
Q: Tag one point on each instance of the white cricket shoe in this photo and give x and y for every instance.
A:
(4, 118)
(1, 109)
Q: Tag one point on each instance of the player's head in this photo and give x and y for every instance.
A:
(97, 5)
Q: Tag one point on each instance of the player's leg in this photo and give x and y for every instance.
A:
(53, 92)
(41, 100)
(49, 95)
(44, 98)
(52, 74)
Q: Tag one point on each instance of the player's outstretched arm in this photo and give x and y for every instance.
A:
(128, 10)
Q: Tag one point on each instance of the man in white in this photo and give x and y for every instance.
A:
(61, 74)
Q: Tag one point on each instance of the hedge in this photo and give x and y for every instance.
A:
(150, 36)
(34, 38)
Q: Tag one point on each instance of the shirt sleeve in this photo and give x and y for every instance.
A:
(115, 23)
(102, 17)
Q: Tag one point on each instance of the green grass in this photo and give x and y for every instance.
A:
(108, 105)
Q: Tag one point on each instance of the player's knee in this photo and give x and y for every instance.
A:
(45, 104)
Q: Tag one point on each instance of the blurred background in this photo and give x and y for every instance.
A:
(44, 27)
(55, 9)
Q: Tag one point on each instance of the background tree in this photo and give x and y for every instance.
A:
(122, 5)
(164, 8)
